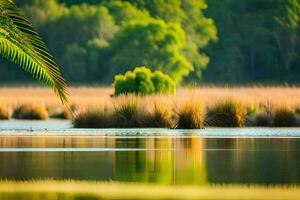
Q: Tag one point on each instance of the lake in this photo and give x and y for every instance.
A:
(168, 157)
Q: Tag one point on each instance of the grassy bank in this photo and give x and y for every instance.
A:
(69, 190)
(189, 108)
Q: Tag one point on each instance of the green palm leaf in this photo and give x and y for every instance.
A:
(21, 44)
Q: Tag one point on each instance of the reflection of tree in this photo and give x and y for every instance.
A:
(253, 160)
(190, 162)
(174, 161)
(130, 165)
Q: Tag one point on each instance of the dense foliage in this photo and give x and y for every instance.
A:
(94, 40)
(258, 41)
(231, 41)
(142, 81)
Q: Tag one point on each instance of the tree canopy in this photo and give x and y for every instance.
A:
(226, 41)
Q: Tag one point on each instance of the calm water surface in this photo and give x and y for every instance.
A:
(163, 159)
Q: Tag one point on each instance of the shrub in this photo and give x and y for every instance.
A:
(190, 116)
(94, 119)
(28, 111)
(226, 114)
(284, 117)
(4, 113)
(142, 81)
(163, 84)
(159, 117)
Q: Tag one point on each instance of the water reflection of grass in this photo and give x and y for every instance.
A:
(69, 190)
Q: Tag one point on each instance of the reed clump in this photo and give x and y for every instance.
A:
(94, 119)
(129, 114)
(31, 112)
(191, 116)
(263, 120)
(225, 114)
(284, 117)
(62, 114)
(161, 116)
(4, 113)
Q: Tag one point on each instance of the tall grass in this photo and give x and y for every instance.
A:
(284, 117)
(128, 114)
(190, 116)
(255, 101)
(160, 116)
(30, 111)
(227, 113)
(4, 112)
(94, 119)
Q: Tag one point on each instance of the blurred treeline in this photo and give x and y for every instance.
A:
(226, 41)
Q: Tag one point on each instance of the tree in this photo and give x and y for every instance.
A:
(20, 44)
(258, 40)
(155, 44)
(200, 30)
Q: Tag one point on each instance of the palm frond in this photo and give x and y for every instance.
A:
(21, 44)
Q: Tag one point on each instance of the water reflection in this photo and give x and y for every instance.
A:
(164, 160)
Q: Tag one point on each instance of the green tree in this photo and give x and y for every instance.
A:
(200, 30)
(156, 44)
(258, 40)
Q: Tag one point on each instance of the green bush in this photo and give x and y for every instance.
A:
(142, 81)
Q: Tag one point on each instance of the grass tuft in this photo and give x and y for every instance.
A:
(284, 117)
(190, 116)
(225, 114)
(160, 117)
(129, 115)
(4, 113)
(94, 119)
(62, 114)
(32, 112)
(263, 120)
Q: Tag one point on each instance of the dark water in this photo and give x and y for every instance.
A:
(165, 159)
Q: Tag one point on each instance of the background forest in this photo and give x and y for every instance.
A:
(194, 41)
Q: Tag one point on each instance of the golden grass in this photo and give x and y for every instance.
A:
(109, 190)
(83, 98)
(4, 112)
(190, 115)
(30, 111)
(101, 95)
(228, 113)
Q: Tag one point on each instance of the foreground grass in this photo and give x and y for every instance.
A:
(69, 190)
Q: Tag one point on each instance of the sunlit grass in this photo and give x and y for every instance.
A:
(69, 190)
(30, 111)
(227, 113)
(255, 103)
(190, 115)
(160, 116)
(4, 112)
